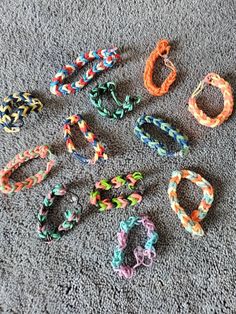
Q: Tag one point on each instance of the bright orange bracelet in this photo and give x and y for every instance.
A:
(225, 88)
(162, 50)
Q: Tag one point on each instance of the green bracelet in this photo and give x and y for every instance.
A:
(109, 87)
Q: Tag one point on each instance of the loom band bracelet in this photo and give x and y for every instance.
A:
(226, 90)
(99, 148)
(160, 148)
(8, 187)
(15, 108)
(162, 50)
(143, 256)
(191, 223)
(72, 216)
(96, 94)
(109, 58)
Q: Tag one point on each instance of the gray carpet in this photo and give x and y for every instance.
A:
(74, 275)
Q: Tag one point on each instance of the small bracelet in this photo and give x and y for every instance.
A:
(116, 202)
(15, 108)
(109, 56)
(225, 88)
(162, 50)
(72, 217)
(88, 134)
(191, 223)
(109, 87)
(168, 129)
(40, 151)
(141, 254)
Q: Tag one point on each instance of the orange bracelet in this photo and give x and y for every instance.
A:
(162, 50)
(225, 88)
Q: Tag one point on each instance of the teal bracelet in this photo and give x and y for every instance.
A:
(110, 87)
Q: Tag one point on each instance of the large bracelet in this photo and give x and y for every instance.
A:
(105, 204)
(159, 146)
(191, 223)
(109, 56)
(122, 108)
(8, 187)
(88, 134)
(72, 217)
(144, 256)
(15, 108)
(226, 90)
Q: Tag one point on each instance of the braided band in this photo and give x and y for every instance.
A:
(144, 256)
(110, 87)
(72, 217)
(191, 223)
(162, 50)
(40, 151)
(88, 134)
(168, 129)
(109, 56)
(225, 88)
(15, 108)
(116, 202)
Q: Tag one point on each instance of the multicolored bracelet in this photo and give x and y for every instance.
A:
(109, 56)
(15, 108)
(141, 254)
(168, 129)
(109, 87)
(162, 50)
(40, 151)
(88, 134)
(191, 223)
(225, 88)
(116, 202)
(72, 217)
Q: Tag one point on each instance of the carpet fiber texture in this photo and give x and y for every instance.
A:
(74, 275)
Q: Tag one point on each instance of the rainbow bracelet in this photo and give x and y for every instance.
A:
(15, 108)
(109, 87)
(8, 187)
(159, 147)
(116, 202)
(144, 256)
(191, 223)
(109, 56)
(72, 217)
(90, 137)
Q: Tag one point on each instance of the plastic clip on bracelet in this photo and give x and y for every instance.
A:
(225, 88)
(168, 129)
(116, 202)
(144, 256)
(162, 50)
(191, 223)
(109, 87)
(109, 58)
(8, 187)
(88, 134)
(15, 108)
(72, 216)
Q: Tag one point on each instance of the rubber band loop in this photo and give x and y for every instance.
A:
(8, 187)
(159, 147)
(89, 136)
(109, 58)
(191, 223)
(109, 87)
(226, 90)
(72, 216)
(15, 108)
(162, 50)
(144, 256)
(116, 202)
